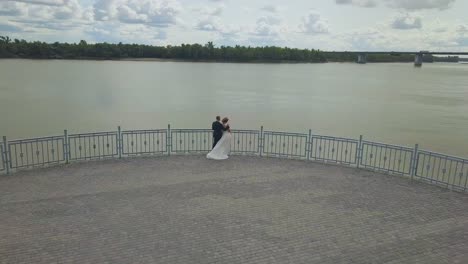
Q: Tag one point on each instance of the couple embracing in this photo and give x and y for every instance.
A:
(221, 139)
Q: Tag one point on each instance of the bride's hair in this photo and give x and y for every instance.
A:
(225, 120)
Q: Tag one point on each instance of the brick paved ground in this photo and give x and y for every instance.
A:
(243, 210)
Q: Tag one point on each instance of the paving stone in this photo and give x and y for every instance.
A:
(187, 209)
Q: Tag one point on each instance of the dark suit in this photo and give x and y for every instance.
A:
(218, 129)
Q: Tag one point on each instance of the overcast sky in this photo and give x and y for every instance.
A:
(321, 24)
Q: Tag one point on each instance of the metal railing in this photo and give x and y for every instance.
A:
(36, 152)
(144, 142)
(2, 157)
(440, 169)
(93, 145)
(334, 149)
(191, 140)
(443, 170)
(245, 142)
(283, 144)
(387, 158)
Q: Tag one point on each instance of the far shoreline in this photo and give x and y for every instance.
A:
(195, 61)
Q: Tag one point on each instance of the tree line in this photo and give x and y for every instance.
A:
(15, 48)
(194, 52)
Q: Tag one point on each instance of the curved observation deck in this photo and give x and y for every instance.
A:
(277, 201)
(187, 209)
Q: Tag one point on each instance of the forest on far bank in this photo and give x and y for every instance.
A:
(16, 48)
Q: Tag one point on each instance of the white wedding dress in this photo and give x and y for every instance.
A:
(222, 149)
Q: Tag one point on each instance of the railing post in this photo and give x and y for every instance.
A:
(309, 144)
(168, 140)
(6, 155)
(2, 159)
(66, 148)
(261, 141)
(119, 142)
(359, 152)
(414, 161)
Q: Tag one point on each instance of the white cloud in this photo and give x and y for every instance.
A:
(381, 37)
(313, 24)
(45, 14)
(210, 24)
(9, 27)
(70, 9)
(420, 4)
(207, 11)
(269, 26)
(269, 20)
(141, 33)
(360, 3)
(254, 22)
(407, 21)
(462, 28)
(438, 26)
(46, 21)
(43, 2)
(218, 30)
(264, 29)
(401, 4)
(9, 8)
(217, 11)
(268, 30)
(63, 9)
(270, 8)
(128, 33)
(161, 13)
(372, 39)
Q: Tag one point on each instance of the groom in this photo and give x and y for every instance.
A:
(218, 129)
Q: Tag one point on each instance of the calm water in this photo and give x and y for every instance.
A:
(393, 103)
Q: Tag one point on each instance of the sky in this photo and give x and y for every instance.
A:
(352, 25)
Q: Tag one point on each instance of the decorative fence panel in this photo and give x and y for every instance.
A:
(442, 169)
(388, 158)
(291, 145)
(334, 149)
(36, 152)
(2, 158)
(191, 140)
(93, 145)
(447, 171)
(141, 142)
(245, 142)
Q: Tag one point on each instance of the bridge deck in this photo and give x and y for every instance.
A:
(402, 52)
(244, 210)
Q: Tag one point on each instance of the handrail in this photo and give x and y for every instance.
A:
(436, 168)
(444, 155)
(386, 145)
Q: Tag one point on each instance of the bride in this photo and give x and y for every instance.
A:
(223, 147)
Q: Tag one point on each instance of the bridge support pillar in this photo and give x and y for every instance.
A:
(418, 60)
(362, 58)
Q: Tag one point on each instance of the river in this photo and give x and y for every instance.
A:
(392, 103)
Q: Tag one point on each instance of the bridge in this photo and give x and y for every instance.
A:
(418, 55)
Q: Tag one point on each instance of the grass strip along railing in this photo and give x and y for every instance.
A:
(435, 168)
